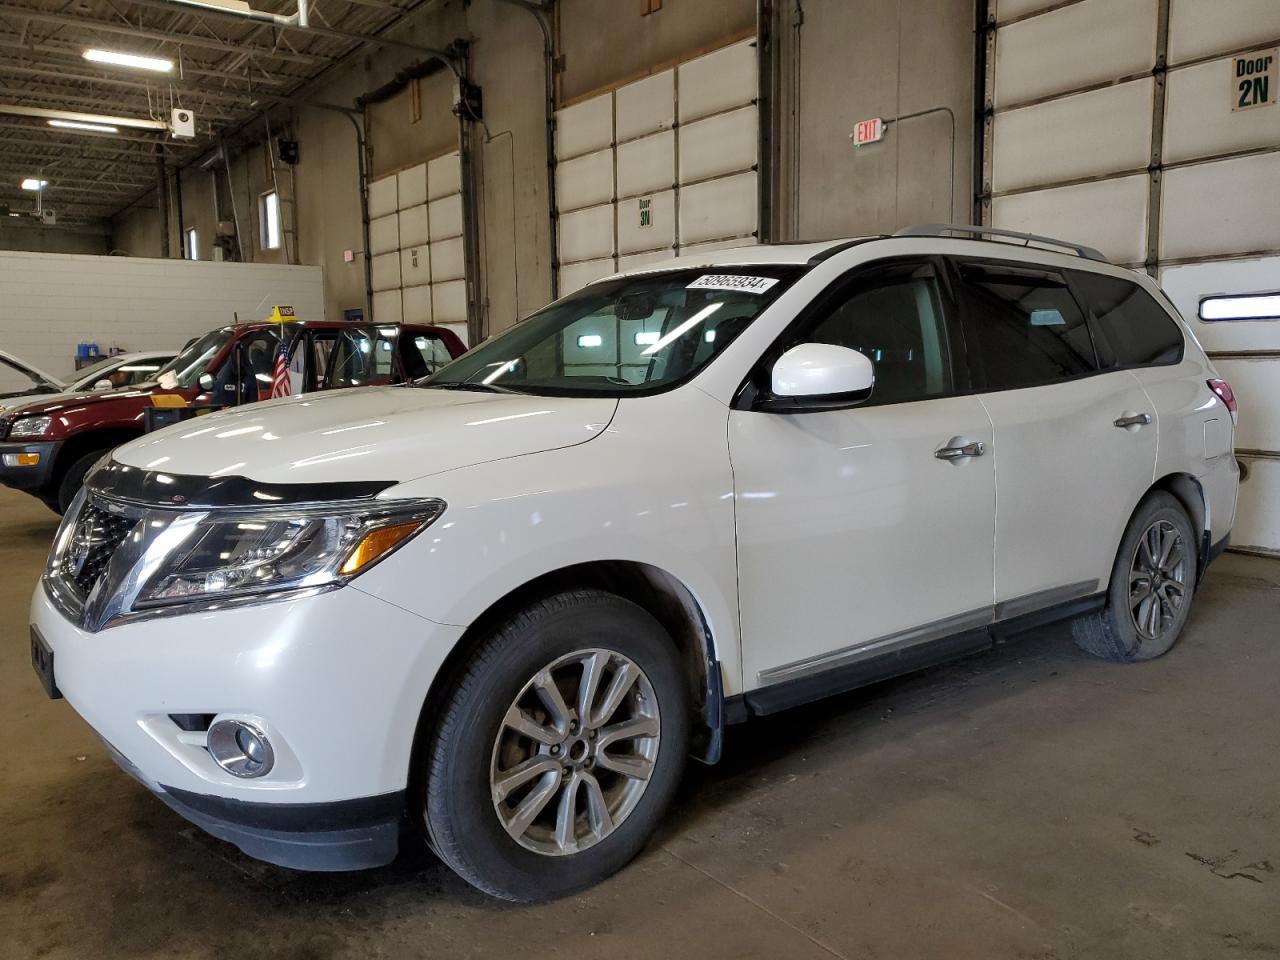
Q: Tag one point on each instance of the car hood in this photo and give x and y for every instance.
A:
(9, 359)
(371, 433)
(55, 403)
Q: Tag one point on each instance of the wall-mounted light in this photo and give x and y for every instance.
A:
(32, 183)
(1247, 306)
(87, 127)
(589, 340)
(130, 60)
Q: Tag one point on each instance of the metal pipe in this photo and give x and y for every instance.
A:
(539, 12)
(362, 172)
(182, 220)
(889, 121)
(162, 194)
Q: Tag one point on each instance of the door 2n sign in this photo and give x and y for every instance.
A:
(1254, 79)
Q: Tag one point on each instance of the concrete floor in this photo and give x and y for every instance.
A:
(1027, 803)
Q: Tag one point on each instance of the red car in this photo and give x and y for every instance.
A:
(46, 448)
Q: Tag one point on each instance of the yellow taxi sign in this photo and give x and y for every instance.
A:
(281, 313)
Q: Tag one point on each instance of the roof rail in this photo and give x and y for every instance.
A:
(942, 229)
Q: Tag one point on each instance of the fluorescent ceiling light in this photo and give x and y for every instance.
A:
(1263, 306)
(156, 64)
(31, 183)
(646, 337)
(77, 125)
(590, 340)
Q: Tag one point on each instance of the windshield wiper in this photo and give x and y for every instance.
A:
(474, 387)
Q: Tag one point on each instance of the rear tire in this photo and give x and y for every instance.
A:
(584, 693)
(1151, 589)
(73, 479)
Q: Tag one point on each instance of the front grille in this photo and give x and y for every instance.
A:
(94, 541)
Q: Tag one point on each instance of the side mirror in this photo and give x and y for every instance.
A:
(103, 384)
(820, 376)
(206, 381)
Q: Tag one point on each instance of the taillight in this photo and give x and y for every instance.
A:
(1224, 393)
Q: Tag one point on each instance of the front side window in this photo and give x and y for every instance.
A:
(421, 355)
(1024, 327)
(361, 357)
(893, 314)
(1130, 328)
(629, 336)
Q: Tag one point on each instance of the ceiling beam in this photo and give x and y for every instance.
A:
(316, 31)
(222, 94)
(160, 36)
(11, 95)
(54, 136)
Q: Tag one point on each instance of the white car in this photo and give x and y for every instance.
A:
(109, 373)
(507, 601)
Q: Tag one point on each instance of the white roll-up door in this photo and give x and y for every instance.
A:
(1151, 130)
(416, 238)
(659, 166)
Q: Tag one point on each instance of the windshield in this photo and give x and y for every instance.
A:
(195, 357)
(634, 335)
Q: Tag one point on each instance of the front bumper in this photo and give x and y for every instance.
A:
(34, 477)
(337, 681)
(340, 835)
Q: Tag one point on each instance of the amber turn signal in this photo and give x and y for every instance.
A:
(376, 543)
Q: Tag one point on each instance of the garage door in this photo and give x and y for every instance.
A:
(1150, 129)
(661, 166)
(415, 236)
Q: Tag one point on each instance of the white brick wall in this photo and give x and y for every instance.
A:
(51, 302)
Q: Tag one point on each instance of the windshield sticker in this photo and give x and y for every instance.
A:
(731, 281)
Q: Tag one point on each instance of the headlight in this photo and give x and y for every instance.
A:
(228, 554)
(30, 427)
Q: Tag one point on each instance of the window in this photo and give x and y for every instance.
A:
(361, 357)
(1024, 327)
(621, 337)
(269, 220)
(421, 355)
(193, 244)
(892, 314)
(1247, 306)
(1130, 328)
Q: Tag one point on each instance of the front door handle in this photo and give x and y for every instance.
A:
(1133, 420)
(960, 451)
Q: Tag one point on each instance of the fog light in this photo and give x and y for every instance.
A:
(21, 459)
(240, 748)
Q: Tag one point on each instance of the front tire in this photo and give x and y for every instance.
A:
(558, 749)
(1151, 589)
(73, 478)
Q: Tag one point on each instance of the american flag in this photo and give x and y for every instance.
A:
(281, 381)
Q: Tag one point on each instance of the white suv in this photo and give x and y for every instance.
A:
(505, 602)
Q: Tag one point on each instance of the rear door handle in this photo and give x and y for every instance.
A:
(960, 451)
(1133, 420)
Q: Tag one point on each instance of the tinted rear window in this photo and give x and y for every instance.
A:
(1132, 328)
(1024, 326)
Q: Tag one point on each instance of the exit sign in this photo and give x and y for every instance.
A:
(867, 131)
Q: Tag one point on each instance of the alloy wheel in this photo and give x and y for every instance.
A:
(574, 752)
(1157, 580)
